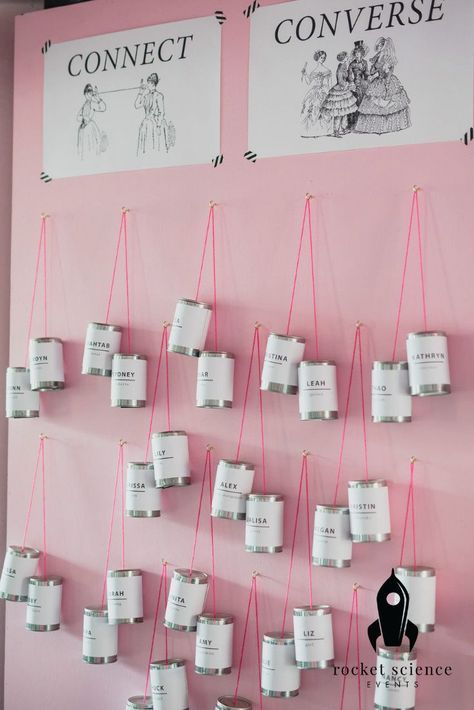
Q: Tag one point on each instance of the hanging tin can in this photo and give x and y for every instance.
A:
(20, 400)
(46, 364)
(189, 329)
(391, 399)
(369, 510)
(171, 459)
(186, 599)
(143, 499)
(420, 583)
(234, 480)
(314, 644)
(128, 386)
(169, 684)
(317, 386)
(332, 542)
(43, 608)
(229, 702)
(19, 565)
(428, 364)
(214, 641)
(102, 343)
(396, 679)
(215, 380)
(264, 523)
(124, 596)
(138, 702)
(100, 639)
(280, 367)
(280, 675)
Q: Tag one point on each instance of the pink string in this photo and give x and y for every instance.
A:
(242, 648)
(153, 633)
(410, 500)
(198, 518)
(308, 534)
(111, 526)
(214, 280)
(295, 275)
(155, 391)
(244, 407)
(30, 503)
(293, 543)
(355, 606)
(35, 285)
(114, 271)
(257, 635)
(213, 553)
(204, 249)
(168, 407)
(262, 427)
(127, 284)
(364, 424)
(45, 298)
(43, 497)
(359, 693)
(166, 628)
(420, 257)
(122, 477)
(313, 281)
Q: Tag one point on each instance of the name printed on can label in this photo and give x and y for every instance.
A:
(275, 357)
(429, 356)
(379, 388)
(228, 486)
(315, 383)
(135, 486)
(114, 594)
(252, 520)
(362, 506)
(323, 530)
(203, 374)
(122, 374)
(98, 345)
(39, 358)
(177, 599)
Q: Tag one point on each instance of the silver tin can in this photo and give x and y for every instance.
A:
(420, 583)
(128, 384)
(138, 702)
(280, 675)
(169, 684)
(102, 342)
(186, 599)
(264, 519)
(171, 459)
(125, 596)
(100, 639)
(369, 510)
(43, 608)
(143, 499)
(20, 400)
(428, 363)
(233, 482)
(228, 702)
(214, 639)
(314, 643)
(391, 398)
(188, 331)
(317, 387)
(332, 542)
(19, 565)
(215, 380)
(46, 364)
(280, 366)
(394, 689)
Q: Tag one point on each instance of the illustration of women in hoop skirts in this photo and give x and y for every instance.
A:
(152, 102)
(385, 106)
(340, 103)
(90, 139)
(319, 81)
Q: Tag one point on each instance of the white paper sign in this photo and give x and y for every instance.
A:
(325, 76)
(143, 98)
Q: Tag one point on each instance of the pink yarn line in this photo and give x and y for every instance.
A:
(293, 543)
(420, 257)
(247, 385)
(122, 506)
(313, 281)
(43, 499)
(257, 635)
(346, 659)
(262, 424)
(244, 637)
(153, 633)
(308, 533)
(30, 502)
(155, 392)
(127, 285)
(213, 551)
(359, 694)
(410, 499)
(295, 276)
(198, 519)
(35, 285)
(45, 297)
(364, 424)
(114, 270)
(346, 411)
(204, 249)
(214, 279)
(168, 406)
(166, 628)
(111, 526)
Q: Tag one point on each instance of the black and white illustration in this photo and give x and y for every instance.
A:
(133, 99)
(327, 77)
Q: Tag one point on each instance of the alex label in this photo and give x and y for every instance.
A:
(230, 488)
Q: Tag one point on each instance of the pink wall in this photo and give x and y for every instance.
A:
(361, 218)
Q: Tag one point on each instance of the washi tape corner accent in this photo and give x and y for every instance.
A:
(468, 137)
(250, 155)
(251, 8)
(45, 177)
(220, 17)
(218, 160)
(46, 46)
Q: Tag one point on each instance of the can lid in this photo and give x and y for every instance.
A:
(426, 333)
(291, 338)
(389, 365)
(106, 326)
(126, 356)
(139, 465)
(46, 340)
(400, 653)
(371, 483)
(51, 580)
(193, 576)
(162, 434)
(228, 702)
(314, 610)
(19, 551)
(138, 702)
(231, 463)
(415, 571)
(18, 369)
(197, 304)
(308, 363)
(97, 611)
(217, 620)
(124, 573)
(168, 663)
(279, 639)
(264, 497)
(216, 353)
(336, 509)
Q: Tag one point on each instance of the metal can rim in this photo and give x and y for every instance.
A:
(232, 463)
(126, 356)
(415, 571)
(196, 304)
(11, 368)
(162, 434)
(312, 610)
(100, 612)
(217, 620)
(193, 576)
(52, 580)
(228, 702)
(276, 638)
(390, 365)
(427, 333)
(18, 551)
(337, 509)
(216, 353)
(265, 497)
(164, 664)
(400, 653)
(307, 363)
(370, 483)
(106, 326)
(46, 340)
(290, 338)
(124, 573)
(141, 465)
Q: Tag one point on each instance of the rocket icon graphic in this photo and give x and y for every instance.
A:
(393, 623)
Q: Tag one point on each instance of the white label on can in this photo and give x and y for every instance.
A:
(313, 638)
(100, 347)
(128, 379)
(16, 573)
(46, 362)
(231, 486)
(214, 645)
(44, 604)
(185, 602)
(422, 593)
(428, 360)
(369, 510)
(142, 495)
(332, 536)
(264, 523)
(19, 395)
(394, 688)
(279, 671)
(100, 639)
(190, 326)
(169, 688)
(170, 457)
(215, 378)
(390, 393)
(281, 361)
(124, 597)
(317, 387)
